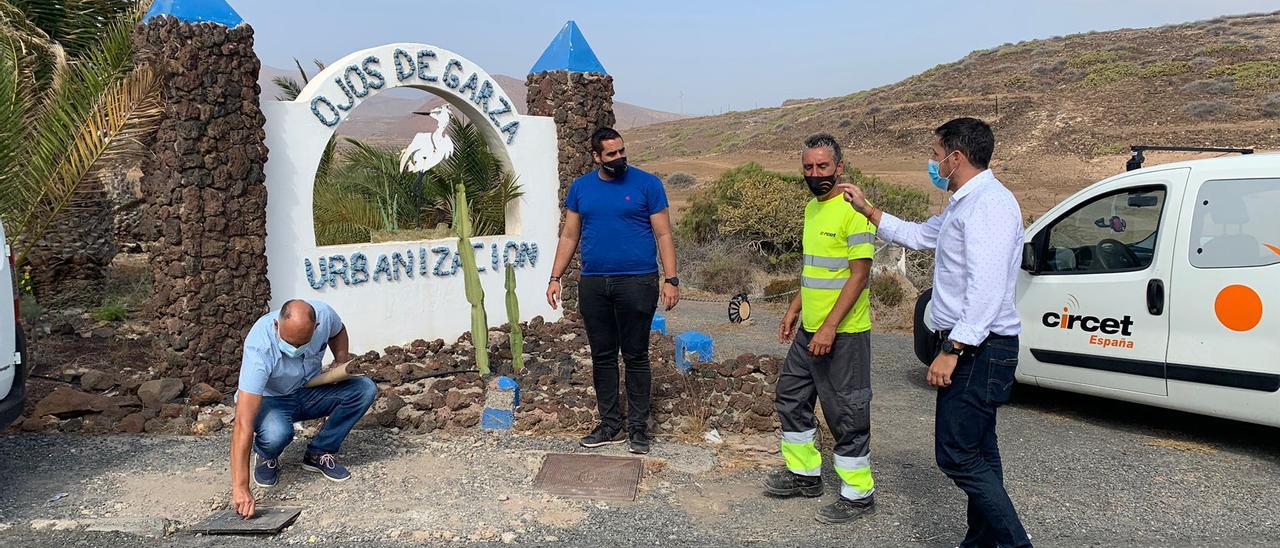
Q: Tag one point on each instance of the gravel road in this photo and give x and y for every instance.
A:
(1082, 471)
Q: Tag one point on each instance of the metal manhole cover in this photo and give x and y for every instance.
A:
(590, 476)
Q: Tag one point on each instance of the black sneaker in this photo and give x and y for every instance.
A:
(638, 442)
(844, 510)
(602, 436)
(784, 483)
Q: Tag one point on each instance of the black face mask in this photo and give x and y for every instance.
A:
(820, 186)
(615, 167)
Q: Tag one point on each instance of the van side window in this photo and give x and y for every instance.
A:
(1236, 224)
(1115, 232)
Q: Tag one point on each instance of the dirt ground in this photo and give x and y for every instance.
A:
(1082, 471)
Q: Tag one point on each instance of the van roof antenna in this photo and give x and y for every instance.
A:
(1136, 157)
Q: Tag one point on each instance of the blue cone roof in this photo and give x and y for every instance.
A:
(195, 11)
(569, 51)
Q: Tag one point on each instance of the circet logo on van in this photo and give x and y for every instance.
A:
(1099, 327)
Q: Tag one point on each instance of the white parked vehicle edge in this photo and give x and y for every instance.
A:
(1160, 286)
(13, 364)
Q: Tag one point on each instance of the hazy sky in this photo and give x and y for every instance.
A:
(721, 55)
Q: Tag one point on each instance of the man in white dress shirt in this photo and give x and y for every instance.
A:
(978, 243)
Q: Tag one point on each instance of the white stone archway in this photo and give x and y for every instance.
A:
(394, 293)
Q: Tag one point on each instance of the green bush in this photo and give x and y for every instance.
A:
(764, 207)
(698, 220)
(905, 203)
(886, 291)
(1110, 73)
(1166, 68)
(114, 312)
(1259, 75)
(1225, 48)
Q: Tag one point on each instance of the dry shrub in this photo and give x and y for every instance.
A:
(727, 274)
(1204, 110)
(886, 290)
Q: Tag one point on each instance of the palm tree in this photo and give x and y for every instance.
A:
(365, 192)
(72, 105)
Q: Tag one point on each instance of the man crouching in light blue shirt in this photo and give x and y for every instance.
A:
(283, 351)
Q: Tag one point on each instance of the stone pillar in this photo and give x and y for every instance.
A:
(581, 103)
(206, 201)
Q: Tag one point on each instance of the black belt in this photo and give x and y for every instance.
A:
(944, 335)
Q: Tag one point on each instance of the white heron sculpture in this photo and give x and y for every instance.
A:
(428, 149)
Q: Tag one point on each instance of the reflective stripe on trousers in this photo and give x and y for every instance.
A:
(800, 454)
(855, 475)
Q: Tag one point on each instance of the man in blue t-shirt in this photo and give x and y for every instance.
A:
(618, 216)
(283, 351)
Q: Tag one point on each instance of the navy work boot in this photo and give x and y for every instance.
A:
(267, 472)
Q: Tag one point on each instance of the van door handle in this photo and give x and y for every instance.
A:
(1155, 297)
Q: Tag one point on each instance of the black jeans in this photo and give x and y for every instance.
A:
(618, 313)
(965, 441)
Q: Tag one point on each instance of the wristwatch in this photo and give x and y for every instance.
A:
(949, 347)
(675, 281)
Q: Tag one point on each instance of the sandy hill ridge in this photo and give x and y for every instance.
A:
(1064, 109)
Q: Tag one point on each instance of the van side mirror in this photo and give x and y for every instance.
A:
(1029, 262)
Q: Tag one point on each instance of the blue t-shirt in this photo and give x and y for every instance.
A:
(265, 371)
(617, 236)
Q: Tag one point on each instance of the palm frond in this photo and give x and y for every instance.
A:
(302, 73)
(16, 104)
(290, 89)
(111, 135)
(57, 135)
(344, 217)
(15, 25)
(77, 24)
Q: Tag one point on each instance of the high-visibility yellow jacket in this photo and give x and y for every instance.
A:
(834, 234)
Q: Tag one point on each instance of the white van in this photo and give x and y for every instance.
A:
(13, 365)
(1160, 286)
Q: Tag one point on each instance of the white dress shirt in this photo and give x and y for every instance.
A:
(978, 243)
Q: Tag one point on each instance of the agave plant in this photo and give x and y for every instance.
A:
(72, 105)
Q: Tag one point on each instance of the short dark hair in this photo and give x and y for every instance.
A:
(825, 140)
(286, 311)
(971, 136)
(600, 136)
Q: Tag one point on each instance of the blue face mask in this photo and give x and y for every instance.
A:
(938, 180)
(289, 349)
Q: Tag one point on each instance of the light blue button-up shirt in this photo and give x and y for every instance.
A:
(978, 243)
(266, 371)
